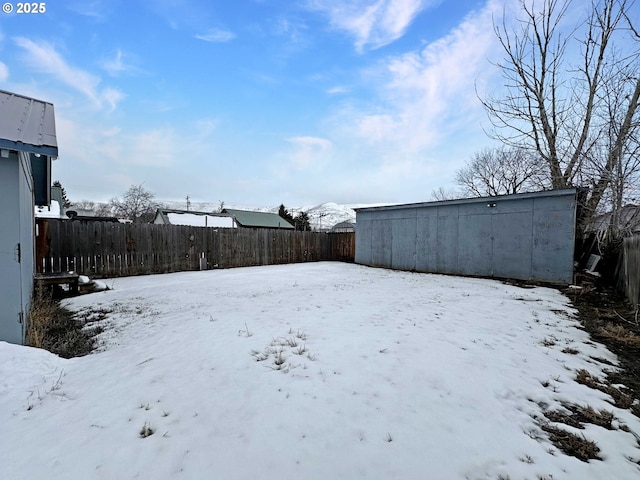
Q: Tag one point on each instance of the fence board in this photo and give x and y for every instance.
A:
(105, 249)
(629, 269)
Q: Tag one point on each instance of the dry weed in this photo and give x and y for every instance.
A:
(571, 444)
(621, 399)
(54, 328)
(620, 334)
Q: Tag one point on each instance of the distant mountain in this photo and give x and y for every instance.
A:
(326, 215)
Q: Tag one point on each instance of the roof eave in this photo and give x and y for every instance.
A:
(26, 147)
(522, 196)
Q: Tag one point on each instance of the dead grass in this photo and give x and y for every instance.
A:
(549, 341)
(570, 351)
(561, 417)
(54, 328)
(573, 445)
(602, 418)
(577, 415)
(146, 430)
(620, 398)
(620, 334)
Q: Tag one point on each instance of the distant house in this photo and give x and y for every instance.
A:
(627, 220)
(344, 227)
(165, 216)
(28, 144)
(49, 211)
(77, 217)
(54, 208)
(249, 219)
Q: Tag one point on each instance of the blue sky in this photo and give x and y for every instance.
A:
(258, 102)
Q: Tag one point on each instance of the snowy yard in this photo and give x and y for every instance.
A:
(311, 371)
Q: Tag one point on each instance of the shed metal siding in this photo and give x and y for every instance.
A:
(16, 246)
(525, 236)
(27, 126)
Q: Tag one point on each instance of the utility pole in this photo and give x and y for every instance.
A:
(188, 203)
(321, 216)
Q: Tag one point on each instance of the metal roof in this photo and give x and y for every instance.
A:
(27, 124)
(168, 216)
(163, 212)
(247, 218)
(462, 201)
(345, 224)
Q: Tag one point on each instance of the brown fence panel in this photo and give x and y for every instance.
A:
(341, 246)
(107, 249)
(629, 269)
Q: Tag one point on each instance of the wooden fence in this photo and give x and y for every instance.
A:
(105, 249)
(629, 269)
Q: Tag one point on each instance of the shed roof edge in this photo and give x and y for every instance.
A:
(462, 201)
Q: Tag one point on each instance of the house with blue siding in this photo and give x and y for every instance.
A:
(27, 146)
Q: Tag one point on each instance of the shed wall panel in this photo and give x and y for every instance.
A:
(527, 236)
(553, 235)
(16, 246)
(474, 243)
(447, 240)
(363, 239)
(512, 243)
(10, 328)
(381, 242)
(27, 238)
(403, 232)
(426, 240)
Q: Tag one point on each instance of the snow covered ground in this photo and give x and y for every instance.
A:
(310, 371)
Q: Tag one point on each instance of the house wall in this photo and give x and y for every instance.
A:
(528, 237)
(17, 249)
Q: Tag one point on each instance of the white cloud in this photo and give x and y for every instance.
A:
(216, 35)
(337, 90)
(373, 24)
(96, 9)
(166, 158)
(206, 126)
(425, 96)
(114, 66)
(44, 58)
(153, 148)
(112, 97)
(117, 66)
(309, 151)
(294, 32)
(4, 72)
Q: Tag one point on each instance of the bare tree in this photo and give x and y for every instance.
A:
(103, 210)
(559, 110)
(441, 194)
(84, 205)
(502, 171)
(99, 209)
(136, 204)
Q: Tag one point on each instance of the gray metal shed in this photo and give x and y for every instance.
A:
(27, 146)
(529, 236)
